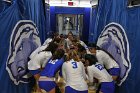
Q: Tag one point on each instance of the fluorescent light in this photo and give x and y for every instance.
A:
(95, 2)
(9, 1)
(70, 6)
(66, 5)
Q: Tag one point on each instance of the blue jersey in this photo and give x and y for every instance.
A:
(52, 67)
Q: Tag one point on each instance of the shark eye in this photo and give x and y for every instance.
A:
(118, 50)
(20, 48)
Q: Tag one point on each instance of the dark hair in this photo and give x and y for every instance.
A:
(61, 36)
(57, 40)
(98, 48)
(80, 48)
(51, 47)
(93, 45)
(55, 34)
(91, 58)
(75, 40)
(59, 53)
(51, 34)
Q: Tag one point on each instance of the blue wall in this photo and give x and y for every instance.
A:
(11, 27)
(129, 18)
(71, 10)
(47, 7)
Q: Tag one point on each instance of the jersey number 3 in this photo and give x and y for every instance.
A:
(74, 65)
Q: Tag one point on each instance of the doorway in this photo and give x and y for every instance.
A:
(69, 22)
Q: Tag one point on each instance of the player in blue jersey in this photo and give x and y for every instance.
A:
(97, 71)
(73, 72)
(38, 62)
(53, 37)
(47, 76)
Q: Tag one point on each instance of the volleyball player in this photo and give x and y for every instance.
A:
(97, 71)
(73, 72)
(38, 62)
(47, 76)
(107, 60)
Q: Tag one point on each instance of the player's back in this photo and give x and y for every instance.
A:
(52, 67)
(99, 72)
(74, 75)
(106, 60)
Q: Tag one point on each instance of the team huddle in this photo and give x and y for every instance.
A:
(82, 67)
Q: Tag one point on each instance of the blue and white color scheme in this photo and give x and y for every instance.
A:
(74, 74)
(114, 40)
(23, 41)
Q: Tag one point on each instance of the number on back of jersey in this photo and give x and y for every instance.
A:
(99, 66)
(74, 65)
(53, 61)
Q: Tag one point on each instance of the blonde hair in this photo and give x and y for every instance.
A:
(72, 54)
